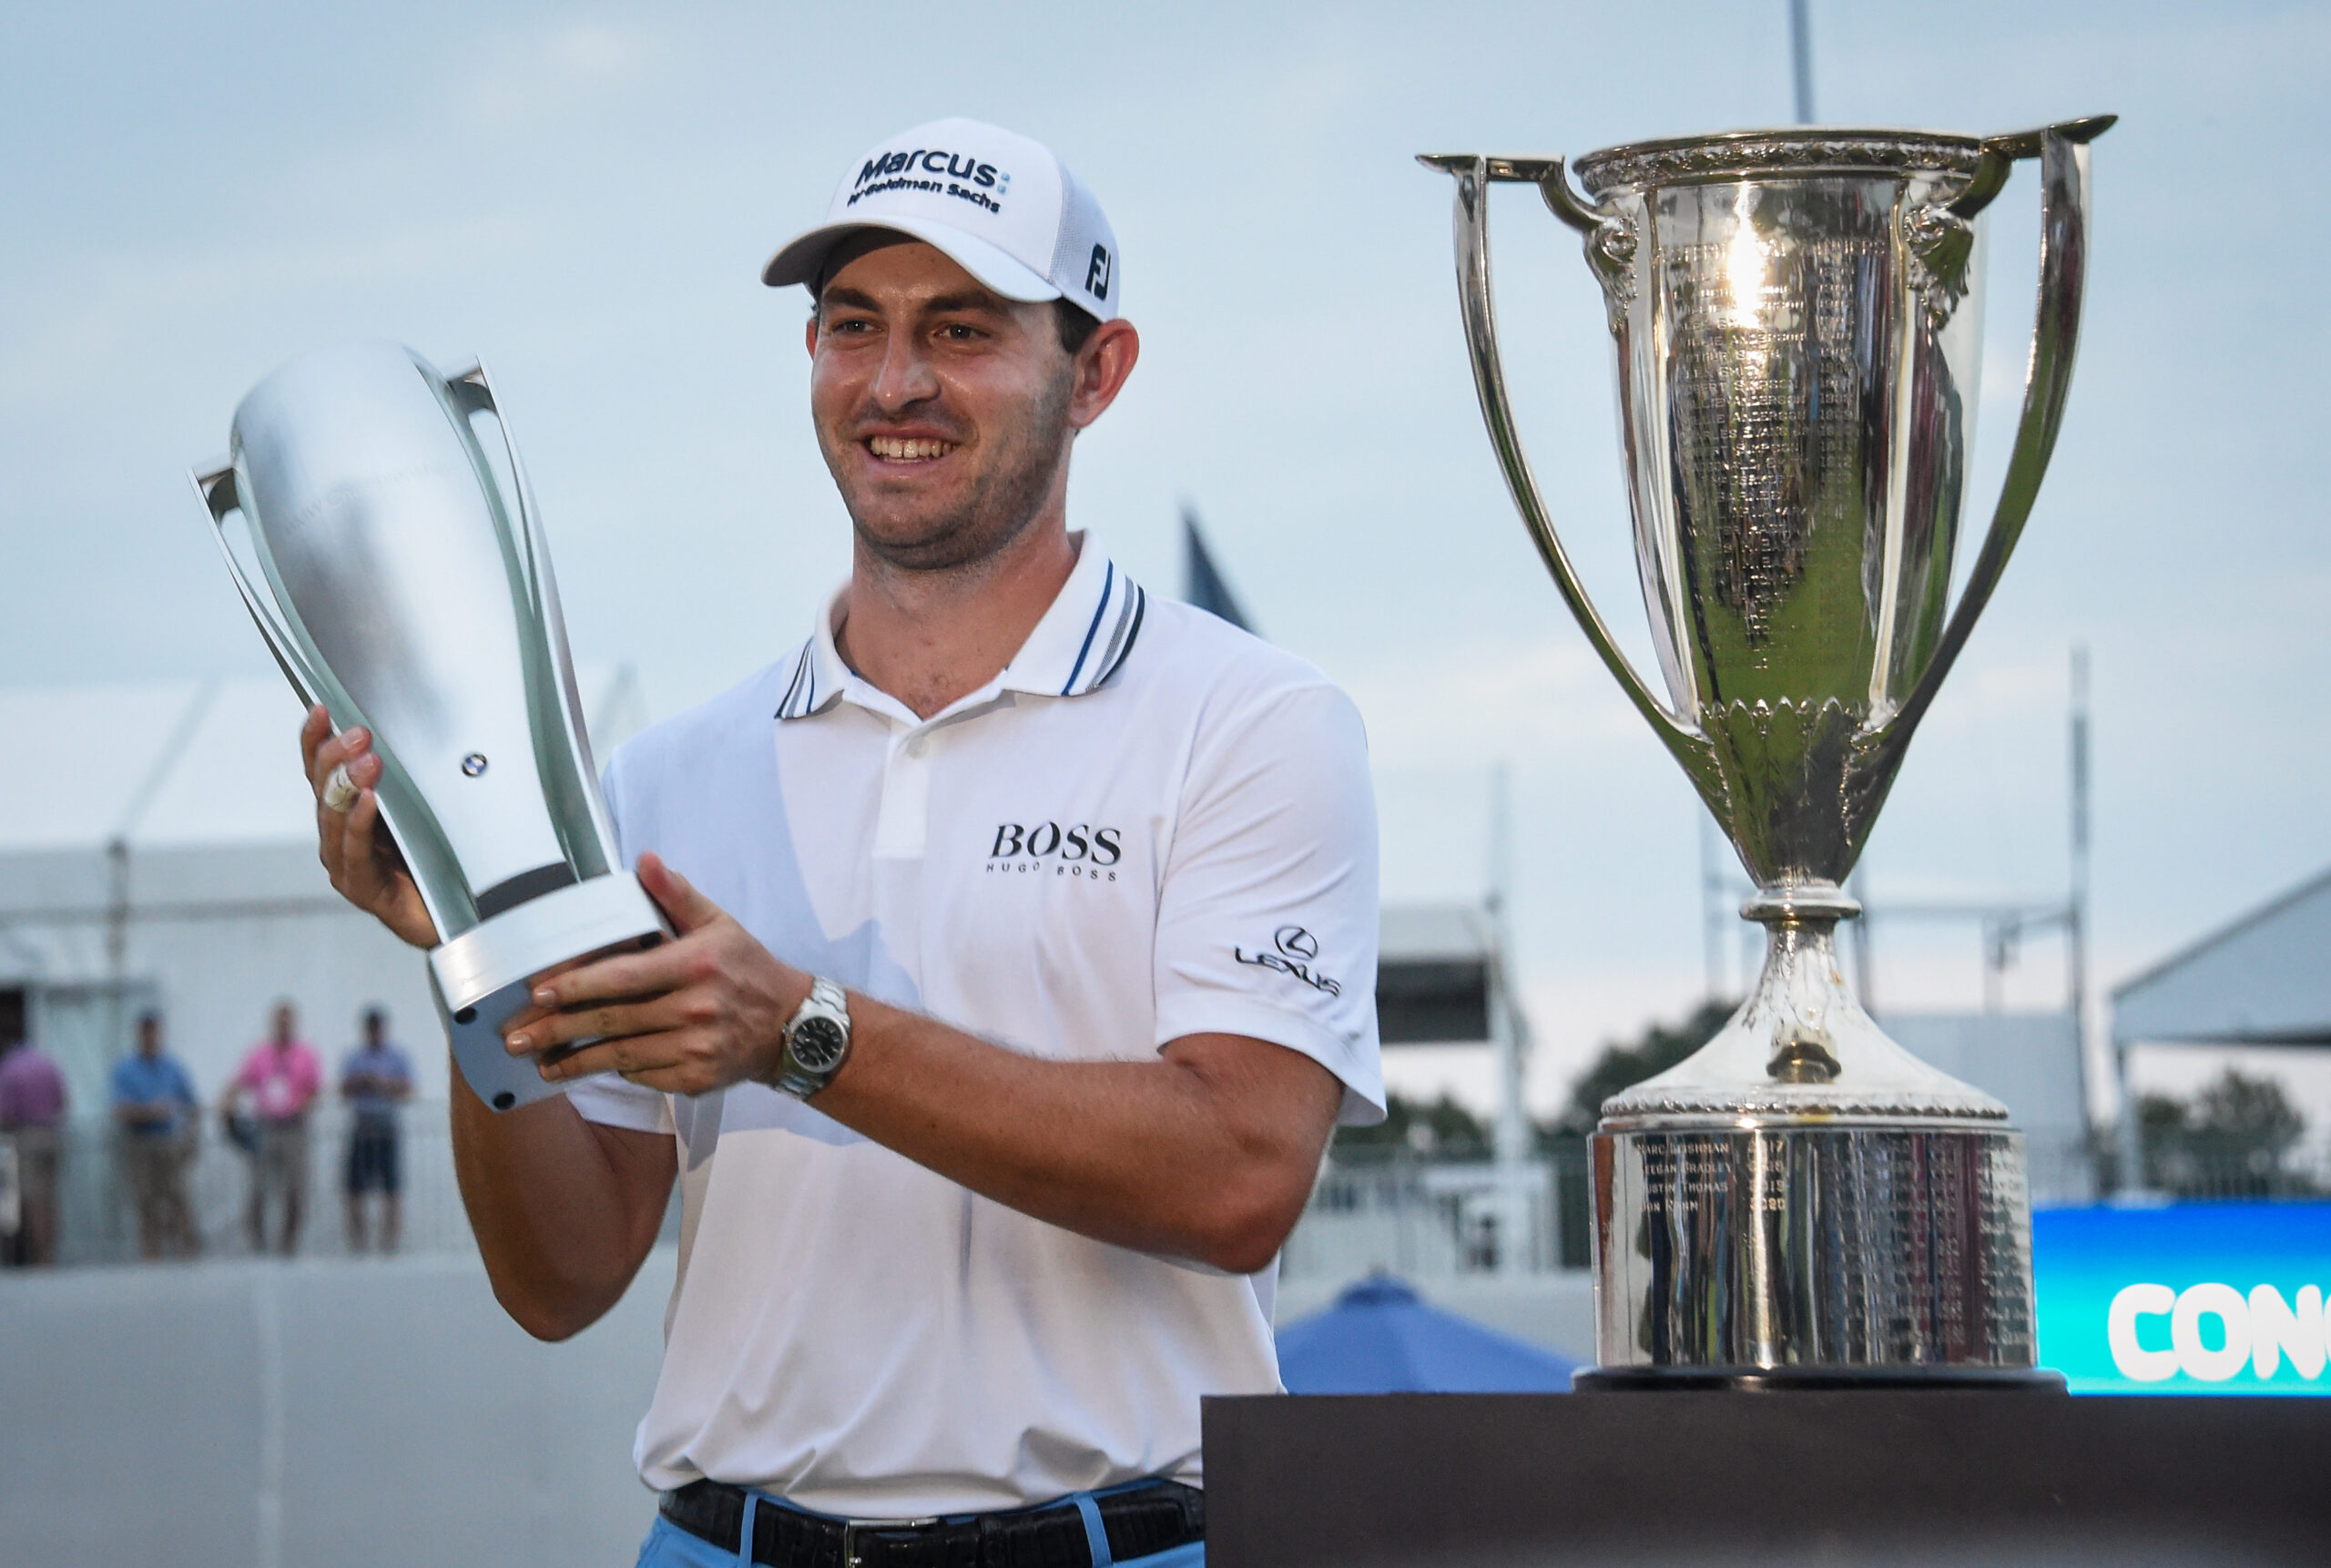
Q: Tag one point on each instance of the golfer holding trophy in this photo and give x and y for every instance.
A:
(986, 1133)
(1797, 321)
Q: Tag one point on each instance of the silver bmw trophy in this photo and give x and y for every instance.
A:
(407, 586)
(1798, 318)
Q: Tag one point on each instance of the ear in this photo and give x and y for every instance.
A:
(1100, 369)
(809, 332)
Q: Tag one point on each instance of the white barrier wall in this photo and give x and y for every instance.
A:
(365, 1413)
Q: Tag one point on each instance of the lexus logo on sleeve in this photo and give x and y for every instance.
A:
(1295, 949)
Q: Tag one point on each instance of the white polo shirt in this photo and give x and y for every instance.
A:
(1150, 825)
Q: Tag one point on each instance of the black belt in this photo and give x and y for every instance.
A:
(1146, 1520)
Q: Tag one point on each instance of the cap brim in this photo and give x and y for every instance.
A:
(804, 256)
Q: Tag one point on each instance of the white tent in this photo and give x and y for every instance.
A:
(157, 848)
(2263, 980)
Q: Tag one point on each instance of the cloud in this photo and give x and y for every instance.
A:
(548, 75)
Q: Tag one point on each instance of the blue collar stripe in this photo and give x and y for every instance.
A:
(1108, 582)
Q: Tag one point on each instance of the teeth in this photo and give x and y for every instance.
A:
(899, 448)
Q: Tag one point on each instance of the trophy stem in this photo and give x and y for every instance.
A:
(1800, 1000)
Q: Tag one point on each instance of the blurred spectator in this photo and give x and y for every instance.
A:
(282, 1076)
(375, 1080)
(32, 1116)
(153, 1100)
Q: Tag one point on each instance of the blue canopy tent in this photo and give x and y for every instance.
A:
(1378, 1339)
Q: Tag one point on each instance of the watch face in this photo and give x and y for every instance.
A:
(817, 1043)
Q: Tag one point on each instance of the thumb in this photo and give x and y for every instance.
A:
(685, 907)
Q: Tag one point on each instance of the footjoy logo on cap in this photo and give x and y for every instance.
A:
(933, 169)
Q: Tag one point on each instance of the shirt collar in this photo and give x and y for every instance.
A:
(1082, 640)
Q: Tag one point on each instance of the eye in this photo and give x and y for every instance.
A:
(960, 332)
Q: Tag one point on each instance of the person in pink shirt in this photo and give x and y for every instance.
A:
(283, 1076)
(33, 1100)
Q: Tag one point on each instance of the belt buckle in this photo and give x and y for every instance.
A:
(850, 1527)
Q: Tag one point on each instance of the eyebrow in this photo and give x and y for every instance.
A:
(977, 301)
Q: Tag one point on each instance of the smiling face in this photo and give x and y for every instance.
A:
(945, 412)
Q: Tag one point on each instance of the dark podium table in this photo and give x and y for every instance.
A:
(1950, 1479)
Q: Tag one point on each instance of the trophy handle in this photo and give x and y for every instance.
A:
(1604, 247)
(471, 391)
(2063, 151)
(221, 495)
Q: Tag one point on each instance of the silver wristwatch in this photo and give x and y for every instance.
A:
(816, 1042)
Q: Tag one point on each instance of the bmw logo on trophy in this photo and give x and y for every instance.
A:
(1798, 318)
(407, 586)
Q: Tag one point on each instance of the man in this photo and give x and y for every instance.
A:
(283, 1076)
(375, 1080)
(154, 1104)
(33, 1103)
(1025, 961)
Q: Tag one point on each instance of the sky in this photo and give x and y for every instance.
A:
(583, 196)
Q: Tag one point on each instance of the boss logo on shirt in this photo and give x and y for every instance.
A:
(1080, 850)
(1297, 950)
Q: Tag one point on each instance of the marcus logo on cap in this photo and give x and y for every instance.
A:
(965, 177)
(1001, 206)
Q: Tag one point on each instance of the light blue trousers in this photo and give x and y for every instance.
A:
(669, 1546)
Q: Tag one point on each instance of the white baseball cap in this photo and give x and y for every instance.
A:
(1002, 207)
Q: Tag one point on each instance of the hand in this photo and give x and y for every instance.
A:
(365, 866)
(687, 1017)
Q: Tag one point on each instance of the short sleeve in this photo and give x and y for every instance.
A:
(613, 1102)
(1267, 914)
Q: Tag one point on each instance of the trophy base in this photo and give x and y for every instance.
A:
(1785, 1249)
(1804, 1200)
(481, 979)
(1823, 1379)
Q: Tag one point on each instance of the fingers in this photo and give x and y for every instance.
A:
(685, 907)
(363, 863)
(672, 1063)
(359, 875)
(352, 745)
(624, 977)
(635, 1015)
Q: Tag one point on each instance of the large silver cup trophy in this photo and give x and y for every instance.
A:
(405, 585)
(1798, 318)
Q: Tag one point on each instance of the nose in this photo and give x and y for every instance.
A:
(905, 377)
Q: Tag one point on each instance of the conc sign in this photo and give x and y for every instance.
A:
(2215, 1330)
(2196, 1298)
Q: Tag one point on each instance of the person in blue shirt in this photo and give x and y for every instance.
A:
(375, 1080)
(154, 1104)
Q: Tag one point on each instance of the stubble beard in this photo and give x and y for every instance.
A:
(1005, 499)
